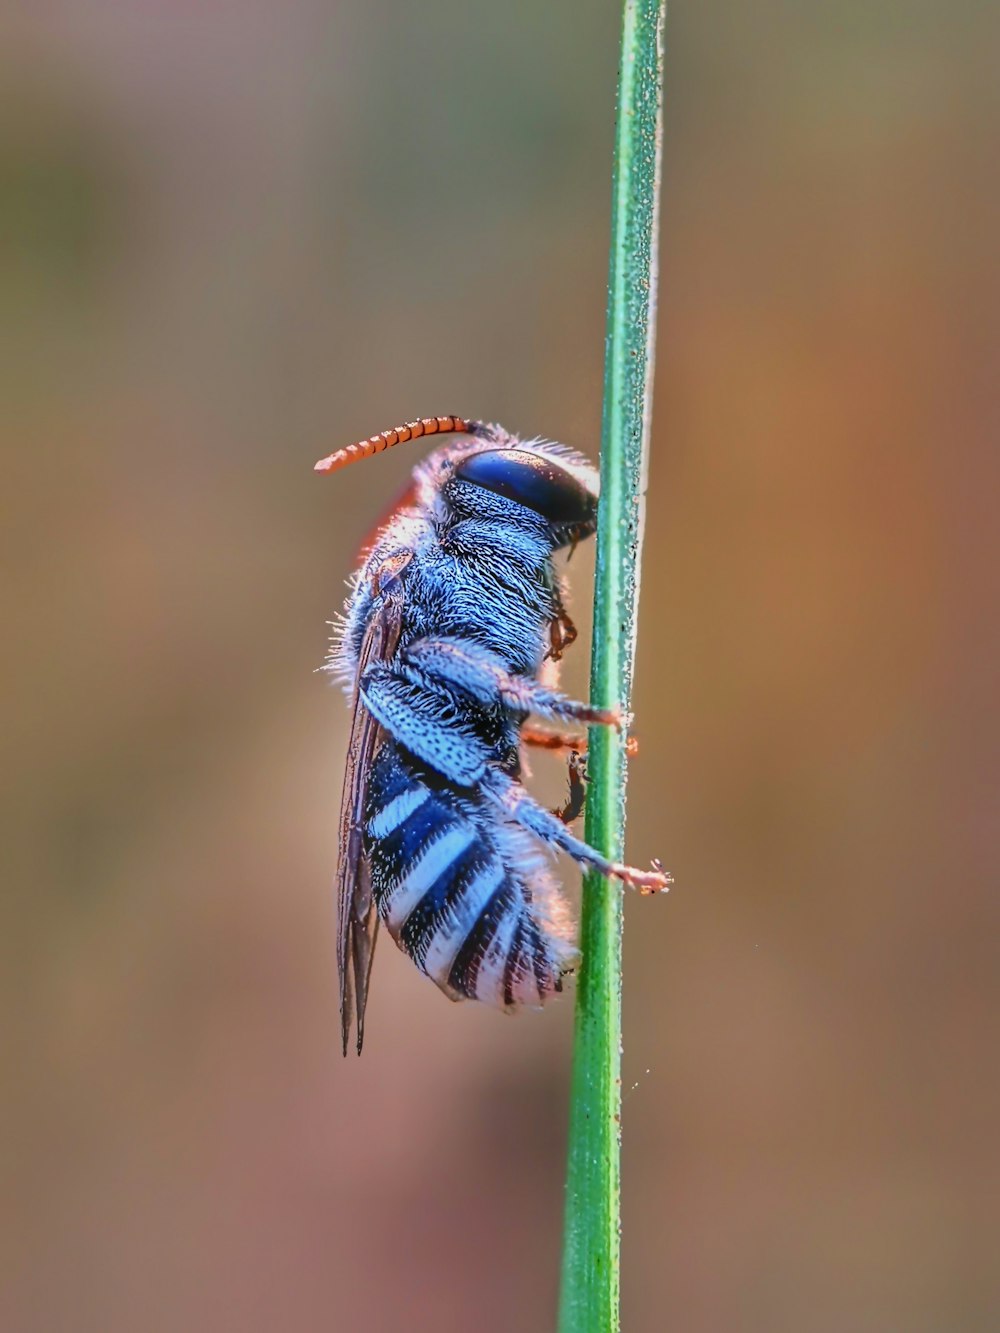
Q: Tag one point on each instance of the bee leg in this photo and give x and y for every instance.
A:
(521, 808)
(454, 751)
(562, 631)
(567, 740)
(576, 745)
(528, 695)
(552, 740)
(483, 675)
(573, 808)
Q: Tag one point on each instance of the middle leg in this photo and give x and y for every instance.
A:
(542, 739)
(483, 675)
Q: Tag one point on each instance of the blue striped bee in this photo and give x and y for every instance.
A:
(449, 644)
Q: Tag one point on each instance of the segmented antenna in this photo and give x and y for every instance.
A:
(388, 439)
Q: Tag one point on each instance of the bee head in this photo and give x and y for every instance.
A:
(505, 482)
(538, 482)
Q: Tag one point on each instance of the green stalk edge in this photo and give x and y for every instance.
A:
(589, 1298)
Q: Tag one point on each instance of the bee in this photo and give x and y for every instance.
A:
(449, 643)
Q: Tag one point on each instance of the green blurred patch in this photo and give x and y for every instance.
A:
(59, 196)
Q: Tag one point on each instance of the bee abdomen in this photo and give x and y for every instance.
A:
(447, 897)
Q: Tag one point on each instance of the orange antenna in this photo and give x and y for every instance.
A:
(388, 439)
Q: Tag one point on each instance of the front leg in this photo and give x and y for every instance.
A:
(573, 808)
(562, 631)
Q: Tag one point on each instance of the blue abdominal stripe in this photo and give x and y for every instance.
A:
(441, 884)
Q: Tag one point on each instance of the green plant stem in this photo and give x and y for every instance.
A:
(589, 1301)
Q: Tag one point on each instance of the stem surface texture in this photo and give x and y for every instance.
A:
(589, 1300)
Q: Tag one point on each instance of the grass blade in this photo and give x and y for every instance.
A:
(589, 1300)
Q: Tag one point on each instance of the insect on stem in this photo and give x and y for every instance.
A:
(457, 605)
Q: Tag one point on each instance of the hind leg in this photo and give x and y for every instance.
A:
(521, 808)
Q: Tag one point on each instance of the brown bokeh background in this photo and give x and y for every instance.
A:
(241, 235)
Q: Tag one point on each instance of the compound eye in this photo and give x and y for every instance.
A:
(532, 480)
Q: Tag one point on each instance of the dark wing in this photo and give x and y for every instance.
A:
(357, 919)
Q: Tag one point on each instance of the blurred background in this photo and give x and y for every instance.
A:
(238, 236)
